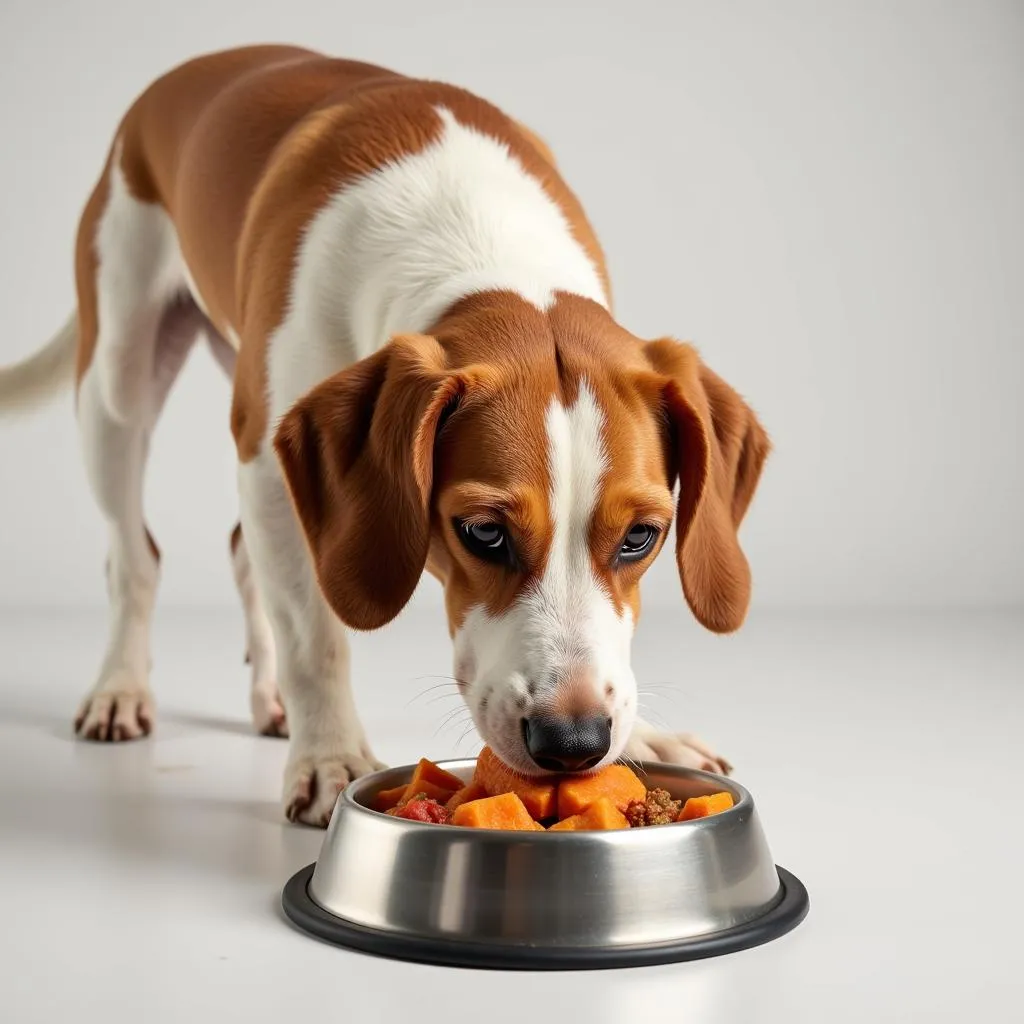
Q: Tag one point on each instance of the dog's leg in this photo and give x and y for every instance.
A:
(134, 335)
(327, 746)
(267, 710)
(120, 706)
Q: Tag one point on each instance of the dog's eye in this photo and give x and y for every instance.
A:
(638, 542)
(485, 540)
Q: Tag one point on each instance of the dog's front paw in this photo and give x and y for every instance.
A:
(649, 744)
(314, 778)
(118, 709)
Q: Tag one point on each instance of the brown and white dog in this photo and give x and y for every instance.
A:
(427, 375)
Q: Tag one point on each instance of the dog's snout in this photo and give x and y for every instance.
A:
(564, 744)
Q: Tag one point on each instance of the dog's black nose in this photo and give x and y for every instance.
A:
(567, 744)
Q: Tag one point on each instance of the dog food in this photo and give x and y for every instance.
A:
(601, 814)
(474, 791)
(657, 808)
(424, 808)
(386, 799)
(702, 806)
(506, 811)
(499, 798)
(496, 777)
(617, 782)
(432, 781)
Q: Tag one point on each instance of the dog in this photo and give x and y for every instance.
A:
(427, 376)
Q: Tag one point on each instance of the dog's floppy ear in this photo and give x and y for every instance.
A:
(358, 455)
(718, 449)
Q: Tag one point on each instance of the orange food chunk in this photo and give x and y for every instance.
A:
(388, 798)
(506, 811)
(702, 806)
(432, 781)
(422, 788)
(427, 771)
(602, 814)
(616, 782)
(496, 777)
(474, 791)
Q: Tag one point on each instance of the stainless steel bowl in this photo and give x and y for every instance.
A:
(477, 897)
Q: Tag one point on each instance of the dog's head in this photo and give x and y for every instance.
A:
(528, 460)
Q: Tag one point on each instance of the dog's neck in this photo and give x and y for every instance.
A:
(458, 218)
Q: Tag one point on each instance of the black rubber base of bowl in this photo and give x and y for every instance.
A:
(312, 918)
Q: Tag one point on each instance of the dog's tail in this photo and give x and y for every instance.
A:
(43, 375)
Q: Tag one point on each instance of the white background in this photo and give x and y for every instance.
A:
(826, 198)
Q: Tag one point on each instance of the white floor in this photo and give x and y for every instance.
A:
(142, 882)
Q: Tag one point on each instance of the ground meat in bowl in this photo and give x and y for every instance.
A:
(658, 809)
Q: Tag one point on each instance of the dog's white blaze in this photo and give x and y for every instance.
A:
(568, 593)
(578, 625)
(568, 622)
(391, 251)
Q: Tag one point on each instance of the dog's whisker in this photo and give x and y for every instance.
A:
(443, 730)
(674, 692)
(669, 698)
(467, 729)
(671, 690)
(649, 711)
(668, 690)
(655, 717)
(416, 697)
(450, 683)
(453, 714)
(462, 739)
(452, 720)
(444, 696)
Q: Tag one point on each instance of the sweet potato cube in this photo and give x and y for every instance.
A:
(388, 798)
(474, 791)
(424, 788)
(432, 781)
(427, 771)
(601, 815)
(505, 812)
(574, 823)
(702, 806)
(616, 782)
(496, 777)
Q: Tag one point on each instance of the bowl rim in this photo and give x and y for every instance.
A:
(742, 798)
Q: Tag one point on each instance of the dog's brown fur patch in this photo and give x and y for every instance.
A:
(243, 147)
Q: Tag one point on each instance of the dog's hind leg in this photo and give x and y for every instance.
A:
(135, 330)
